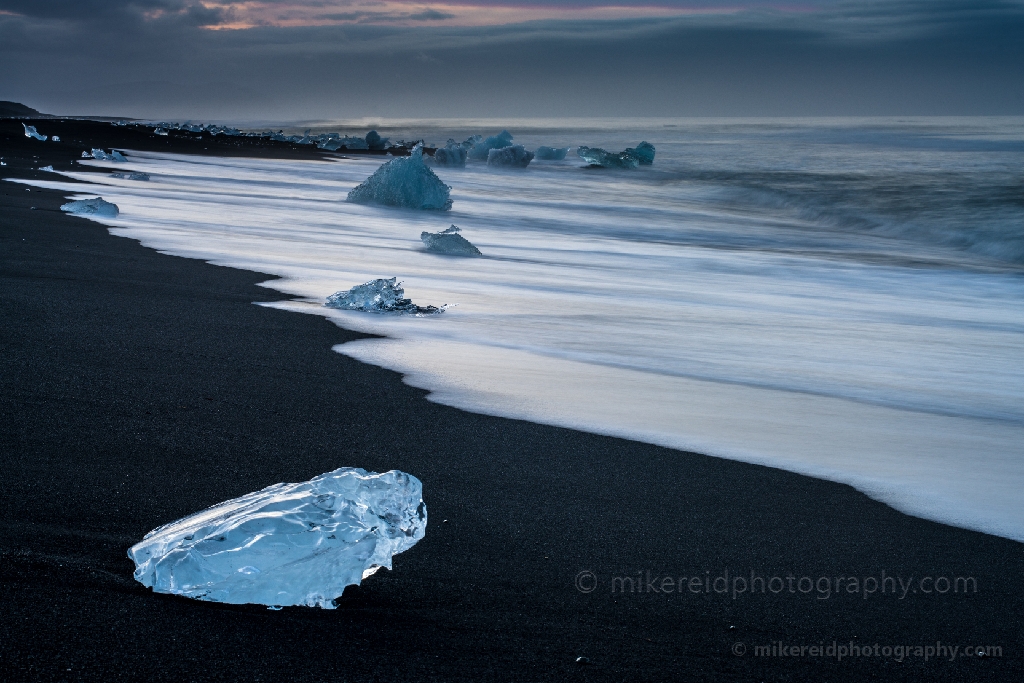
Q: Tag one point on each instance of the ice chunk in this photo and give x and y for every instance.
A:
(405, 182)
(644, 152)
(483, 147)
(91, 207)
(448, 242)
(47, 168)
(56, 138)
(514, 156)
(289, 544)
(159, 131)
(100, 155)
(130, 176)
(375, 141)
(452, 155)
(630, 158)
(383, 295)
(31, 132)
(551, 153)
(595, 156)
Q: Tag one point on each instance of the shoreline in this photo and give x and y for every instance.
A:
(140, 387)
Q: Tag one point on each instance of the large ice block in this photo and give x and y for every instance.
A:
(642, 154)
(481, 148)
(91, 207)
(452, 155)
(448, 242)
(551, 153)
(405, 182)
(289, 544)
(513, 156)
(383, 295)
(31, 132)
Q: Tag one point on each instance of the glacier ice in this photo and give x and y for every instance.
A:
(56, 138)
(630, 158)
(289, 544)
(404, 182)
(101, 155)
(135, 175)
(644, 152)
(47, 168)
(452, 155)
(448, 242)
(375, 142)
(31, 132)
(159, 131)
(383, 295)
(481, 148)
(514, 156)
(91, 207)
(551, 153)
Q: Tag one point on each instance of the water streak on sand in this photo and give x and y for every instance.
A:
(836, 298)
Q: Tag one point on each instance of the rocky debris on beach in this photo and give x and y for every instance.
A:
(448, 242)
(383, 295)
(288, 544)
(404, 182)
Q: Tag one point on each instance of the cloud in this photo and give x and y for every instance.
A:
(899, 57)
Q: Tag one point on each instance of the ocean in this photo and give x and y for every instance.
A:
(838, 297)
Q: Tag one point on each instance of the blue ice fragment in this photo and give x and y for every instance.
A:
(514, 156)
(630, 158)
(375, 141)
(31, 132)
(644, 152)
(91, 207)
(452, 155)
(383, 295)
(448, 242)
(404, 182)
(289, 544)
(551, 153)
(482, 147)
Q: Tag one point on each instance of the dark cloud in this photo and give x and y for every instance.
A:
(900, 57)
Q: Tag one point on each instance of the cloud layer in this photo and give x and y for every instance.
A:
(161, 58)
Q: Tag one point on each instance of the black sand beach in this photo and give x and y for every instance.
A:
(136, 388)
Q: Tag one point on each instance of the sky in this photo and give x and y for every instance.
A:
(294, 60)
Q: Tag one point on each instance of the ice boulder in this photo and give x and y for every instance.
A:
(551, 153)
(31, 132)
(130, 176)
(404, 182)
(383, 295)
(289, 544)
(91, 207)
(481, 148)
(452, 155)
(375, 142)
(644, 152)
(630, 158)
(514, 156)
(448, 242)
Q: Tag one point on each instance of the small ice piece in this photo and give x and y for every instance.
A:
(135, 175)
(449, 242)
(514, 156)
(404, 182)
(452, 155)
(86, 155)
(644, 152)
(375, 142)
(481, 148)
(91, 207)
(117, 156)
(383, 295)
(289, 544)
(31, 132)
(47, 168)
(595, 156)
(159, 131)
(551, 153)
(56, 138)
